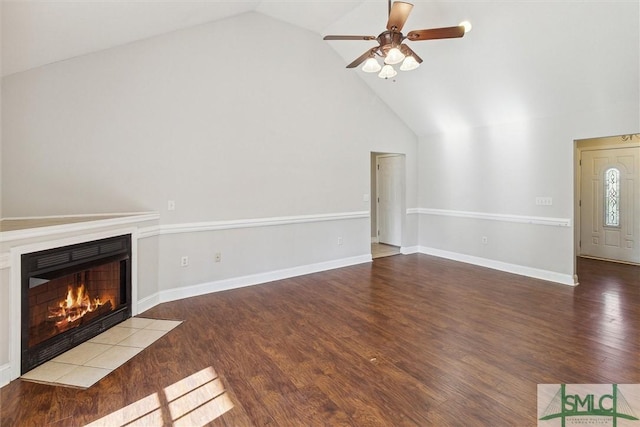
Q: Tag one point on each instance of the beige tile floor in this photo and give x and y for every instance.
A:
(88, 363)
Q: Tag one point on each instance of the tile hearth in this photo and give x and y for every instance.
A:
(88, 363)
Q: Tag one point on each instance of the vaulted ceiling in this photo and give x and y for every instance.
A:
(522, 59)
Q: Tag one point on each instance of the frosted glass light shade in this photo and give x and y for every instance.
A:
(371, 66)
(409, 64)
(393, 56)
(387, 72)
(467, 26)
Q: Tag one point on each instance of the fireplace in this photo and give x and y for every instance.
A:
(71, 294)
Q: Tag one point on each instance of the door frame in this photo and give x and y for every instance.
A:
(374, 216)
(592, 144)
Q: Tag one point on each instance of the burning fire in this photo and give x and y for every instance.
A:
(74, 306)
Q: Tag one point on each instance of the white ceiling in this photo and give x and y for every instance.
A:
(522, 59)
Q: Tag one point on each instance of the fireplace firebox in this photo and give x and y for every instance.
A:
(71, 294)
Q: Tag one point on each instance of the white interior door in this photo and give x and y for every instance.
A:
(610, 204)
(390, 189)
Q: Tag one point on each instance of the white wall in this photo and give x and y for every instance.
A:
(207, 117)
(1, 6)
(4, 272)
(500, 170)
(241, 119)
(510, 137)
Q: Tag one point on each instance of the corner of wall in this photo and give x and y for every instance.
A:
(5, 374)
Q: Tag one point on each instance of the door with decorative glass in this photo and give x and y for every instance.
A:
(610, 204)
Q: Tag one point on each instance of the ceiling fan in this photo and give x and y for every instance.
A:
(391, 46)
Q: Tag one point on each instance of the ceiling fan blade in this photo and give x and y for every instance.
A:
(436, 33)
(398, 15)
(362, 58)
(349, 38)
(409, 52)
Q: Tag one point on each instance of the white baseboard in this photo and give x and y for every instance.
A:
(250, 280)
(146, 303)
(407, 250)
(551, 276)
(374, 240)
(5, 374)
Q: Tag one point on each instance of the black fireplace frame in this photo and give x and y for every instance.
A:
(58, 262)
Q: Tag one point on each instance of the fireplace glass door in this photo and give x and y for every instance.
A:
(71, 294)
(68, 302)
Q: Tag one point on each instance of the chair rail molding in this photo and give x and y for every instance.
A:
(523, 219)
(247, 223)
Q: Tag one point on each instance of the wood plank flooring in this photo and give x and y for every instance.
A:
(408, 340)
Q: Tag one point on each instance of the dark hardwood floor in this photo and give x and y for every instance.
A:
(408, 340)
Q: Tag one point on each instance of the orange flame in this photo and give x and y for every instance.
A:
(74, 306)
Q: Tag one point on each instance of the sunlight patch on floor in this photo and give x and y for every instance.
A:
(193, 401)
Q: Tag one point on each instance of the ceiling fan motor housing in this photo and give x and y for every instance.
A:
(389, 39)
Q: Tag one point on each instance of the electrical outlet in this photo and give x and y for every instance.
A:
(339, 241)
(171, 205)
(184, 261)
(485, 240)
(544, 201)
(218, 257)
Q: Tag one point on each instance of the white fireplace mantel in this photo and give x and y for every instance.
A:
(19, 236)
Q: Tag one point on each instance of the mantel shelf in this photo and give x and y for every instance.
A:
(24, 228)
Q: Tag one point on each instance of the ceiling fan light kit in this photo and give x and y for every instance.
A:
(371, 66)
(390, 42)
(387, 72)
(409, 64)
(394, 56)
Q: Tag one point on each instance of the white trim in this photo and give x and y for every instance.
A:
(250, 280)
(5, 260)
(246, 223)
(413, 211)
(75, 226)
(148, 302)
(134, 272)
(408, 250)
(96, 215)
(15, 311)
(152, 231)
(537, 220)
(551, 276)
(374, 240)
(5, 374)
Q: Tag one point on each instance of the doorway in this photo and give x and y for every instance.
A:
(387, 203)
(608, 199)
